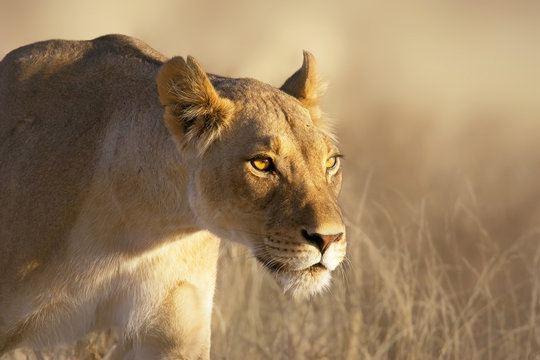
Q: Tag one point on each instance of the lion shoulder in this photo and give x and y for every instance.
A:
(58, 100)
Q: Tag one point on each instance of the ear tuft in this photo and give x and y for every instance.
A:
(305, 85)
(194, 112)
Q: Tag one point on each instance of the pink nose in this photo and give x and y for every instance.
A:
(321, 241)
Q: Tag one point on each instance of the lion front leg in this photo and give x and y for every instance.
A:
(179, 329)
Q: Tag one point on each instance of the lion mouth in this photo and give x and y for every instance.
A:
(301, 283)
(318, 266)
(276, 267)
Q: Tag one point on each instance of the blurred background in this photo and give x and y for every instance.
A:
(437, 107)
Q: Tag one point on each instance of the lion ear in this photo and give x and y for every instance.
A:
(305, 85)
(194, 112)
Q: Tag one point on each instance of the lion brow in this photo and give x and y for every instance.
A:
(275, 144)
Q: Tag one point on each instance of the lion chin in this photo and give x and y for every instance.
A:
(302, 284)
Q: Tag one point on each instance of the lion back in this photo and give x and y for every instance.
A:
(56, 101)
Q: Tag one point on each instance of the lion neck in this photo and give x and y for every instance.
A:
(146, 191)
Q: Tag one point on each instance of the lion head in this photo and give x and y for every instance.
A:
(264, 169)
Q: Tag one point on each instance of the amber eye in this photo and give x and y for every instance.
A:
(263, 164)
(331, 162)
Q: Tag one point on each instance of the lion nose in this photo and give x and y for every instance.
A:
(320, 240)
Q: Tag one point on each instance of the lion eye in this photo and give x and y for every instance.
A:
(264, 164)
(331, 162)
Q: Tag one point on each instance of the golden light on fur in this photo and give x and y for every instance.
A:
(117, 224)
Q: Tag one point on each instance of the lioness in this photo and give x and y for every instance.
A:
(120, 171)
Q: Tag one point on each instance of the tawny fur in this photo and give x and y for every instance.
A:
(119, 173)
